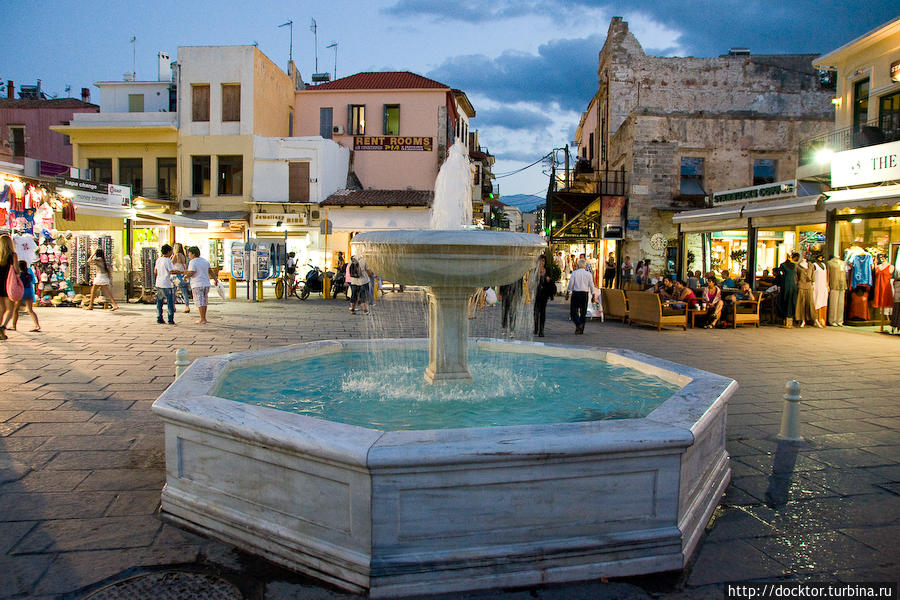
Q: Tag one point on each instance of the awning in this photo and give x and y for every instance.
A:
(784, 206)
(166, 219)
(101, 210)
(860, 197)
(716, 213)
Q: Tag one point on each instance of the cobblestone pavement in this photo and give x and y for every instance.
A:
(81, 455)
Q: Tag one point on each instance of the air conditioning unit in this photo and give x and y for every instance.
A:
(190, 204)
(314, 215)
(339, 129)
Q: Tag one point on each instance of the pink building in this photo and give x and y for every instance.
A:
(25, 129)
(397, 125)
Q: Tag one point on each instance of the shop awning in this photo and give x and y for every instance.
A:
(716, 213)
(784, 206)
(174, 220)
(100, 210)
(861, 197)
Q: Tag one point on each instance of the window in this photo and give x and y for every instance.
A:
(326, 122)
(166, 177)
(66, 139)
(17, 140)
(356, 122)
(889, 117)
(860, 104)
(392, 119)
(591, 147)
(100, 169)
(231, 175)
(692, 176)
(135, 103)
(764, 171)
(477, 180)
(231, 102)
(200, 175)
(298, 182)
(131, 172)
(200, 102)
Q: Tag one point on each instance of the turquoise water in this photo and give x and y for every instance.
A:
(386, 390)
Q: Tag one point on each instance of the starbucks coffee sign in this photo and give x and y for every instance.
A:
(767, 191)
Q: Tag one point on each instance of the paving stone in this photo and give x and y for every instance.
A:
(107, 533)
(816, 552)
(124, 479)
(51, 429)
(45, 481)
(19, 574)
(88, 442)
(132, 503)
(11, 532)
(740, 562)
(53, 416)
(90, 459)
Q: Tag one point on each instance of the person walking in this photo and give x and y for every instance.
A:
(200, 273)
(8, 261)
(27, 300)
(581, 288)
(165, 289)
(102, 280)
(546, 289)
(357, 270)
(180, 260)
(609, 271)
(509, 298)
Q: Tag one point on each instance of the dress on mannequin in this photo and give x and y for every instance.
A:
(884, 292)
(806, 306)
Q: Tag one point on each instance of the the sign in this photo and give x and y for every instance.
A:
(263, 261)
(93, 192)
(287, 219)
(634, 224)
(237, 259)
(767, 191)
(872, 164)
(895, 71)
(612, 217)
(392, 142)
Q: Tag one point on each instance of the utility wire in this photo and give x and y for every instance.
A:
(501, 175)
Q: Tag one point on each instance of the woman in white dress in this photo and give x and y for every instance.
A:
(820, 290)
(101, 280)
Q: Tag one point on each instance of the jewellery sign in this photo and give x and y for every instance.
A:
(392, 142)
(872, 164)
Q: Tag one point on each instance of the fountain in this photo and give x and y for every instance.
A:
(425, 510)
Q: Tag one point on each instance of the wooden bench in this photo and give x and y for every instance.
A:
(646, 308)
(745, 311)
(615, 306)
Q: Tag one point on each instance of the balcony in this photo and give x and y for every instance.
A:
(143, 119)
(876, 131)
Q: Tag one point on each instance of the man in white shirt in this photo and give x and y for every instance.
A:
(581, 283)
(165, 289)
(200, 273)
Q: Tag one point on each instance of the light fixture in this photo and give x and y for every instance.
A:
(178, 212)
(226, 223)
(855, 221)
(278, 223)
(824, 155)
(139, 204)
(836, 102)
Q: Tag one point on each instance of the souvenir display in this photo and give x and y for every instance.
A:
(148, 260)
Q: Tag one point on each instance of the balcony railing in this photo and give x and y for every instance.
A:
(876, 131)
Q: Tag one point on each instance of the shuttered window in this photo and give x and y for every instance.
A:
(298, 182)
(135, 103)
(231, 102)
(200, 102)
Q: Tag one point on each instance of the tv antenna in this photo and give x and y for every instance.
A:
(335, 46)
(133, 57)
(315, 29)
(291, 47)
(68, 90)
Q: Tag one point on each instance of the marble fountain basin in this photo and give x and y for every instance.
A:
(396, 513)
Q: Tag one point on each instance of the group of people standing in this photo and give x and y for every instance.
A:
(172, 268)
(12, 267)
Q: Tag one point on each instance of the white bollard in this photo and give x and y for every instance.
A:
(790, 417)
(182, 362)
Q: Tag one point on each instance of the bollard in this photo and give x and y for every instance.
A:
(790, 418)
(259, 290)
(326, 287)
(232, 288)
(182, 362)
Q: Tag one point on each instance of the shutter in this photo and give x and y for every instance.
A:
(200, 102)
(231, 102)
(326, 122)
(298, 182)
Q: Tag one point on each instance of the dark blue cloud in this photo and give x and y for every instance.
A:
(513, 118)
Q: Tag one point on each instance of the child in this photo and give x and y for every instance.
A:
(27, 299)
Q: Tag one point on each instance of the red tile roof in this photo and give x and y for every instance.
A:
(393, 80)
(54, 103)
(408, 198)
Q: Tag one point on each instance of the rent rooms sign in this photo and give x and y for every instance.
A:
(392, 142)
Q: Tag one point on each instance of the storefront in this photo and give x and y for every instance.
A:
(754, 228)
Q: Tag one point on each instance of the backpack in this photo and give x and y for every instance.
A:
(354, 267)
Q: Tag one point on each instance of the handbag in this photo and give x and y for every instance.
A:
(14, 288)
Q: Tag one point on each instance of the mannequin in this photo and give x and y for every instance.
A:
(884, 293)
(820, 290)
(836, 271)
(786, 280)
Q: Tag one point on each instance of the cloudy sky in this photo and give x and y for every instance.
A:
(529, 66)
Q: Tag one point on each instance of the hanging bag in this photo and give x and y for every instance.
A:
(14, 288)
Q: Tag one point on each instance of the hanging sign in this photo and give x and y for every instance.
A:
(392, 142)
(767, 191)
(872, 164)
(93, 192)
(613, 217)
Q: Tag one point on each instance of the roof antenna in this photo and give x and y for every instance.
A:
(315, 29)
(133, 58)
(291, 47)
(334, 45)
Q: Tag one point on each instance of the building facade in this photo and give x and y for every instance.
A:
(666, 133)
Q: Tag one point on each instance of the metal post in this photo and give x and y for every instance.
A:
(182, 362)
(790, 417)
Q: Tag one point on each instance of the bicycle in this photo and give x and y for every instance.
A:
(285, 288)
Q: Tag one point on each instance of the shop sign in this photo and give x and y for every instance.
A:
(613, 217)
(287, 219)
(392, 142)
(93, 192)
(872, 164)
(634, 224)
(895, 71)
(767, 191)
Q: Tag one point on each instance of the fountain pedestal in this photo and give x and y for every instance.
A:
(448, 332)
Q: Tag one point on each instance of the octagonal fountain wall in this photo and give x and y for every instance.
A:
(416, 512)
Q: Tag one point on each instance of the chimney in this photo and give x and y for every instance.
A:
(86, 95)
(165, 71)
(10, 89)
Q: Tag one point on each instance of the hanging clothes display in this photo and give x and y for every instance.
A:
(836, 270)
(883, 296)
(861, 269)
(148, 260)
(859, 303)
(806, 307)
